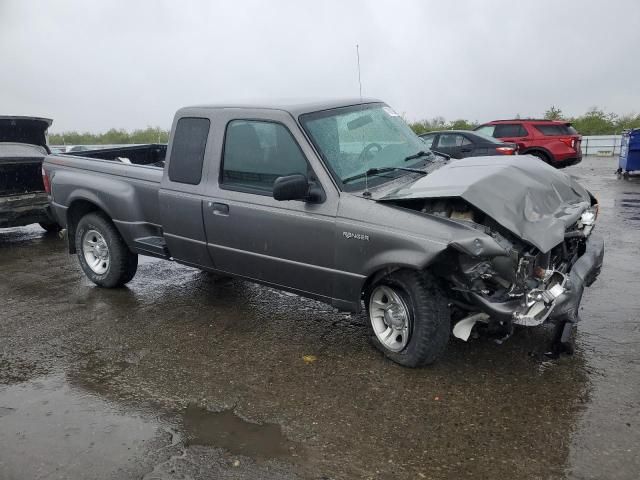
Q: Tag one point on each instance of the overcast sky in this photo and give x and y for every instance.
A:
(93, 65)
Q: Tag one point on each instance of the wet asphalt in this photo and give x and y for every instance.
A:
(183, 376)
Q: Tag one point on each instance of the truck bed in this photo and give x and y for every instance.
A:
(126, 192)
(152, 154)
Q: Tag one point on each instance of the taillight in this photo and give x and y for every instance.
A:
(46, 182)
(569, 142)
(506, 150)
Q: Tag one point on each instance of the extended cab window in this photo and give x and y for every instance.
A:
(256, 153)
(187, 152)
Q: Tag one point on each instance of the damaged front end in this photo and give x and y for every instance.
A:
(541, 219)
(529, 286)
(520, 286)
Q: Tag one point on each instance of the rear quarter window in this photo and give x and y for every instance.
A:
(486, 130)
(556, 130)
(187, 152)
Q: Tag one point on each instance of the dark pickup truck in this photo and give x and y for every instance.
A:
(341, 202)
(23, 146)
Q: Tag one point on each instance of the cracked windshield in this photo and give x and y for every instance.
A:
(354, 140)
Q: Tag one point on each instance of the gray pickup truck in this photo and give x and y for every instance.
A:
(23, 146)
(342, 202)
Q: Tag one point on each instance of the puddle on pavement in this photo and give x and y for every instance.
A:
(50, 427)
(629, 204)
(227, 430)
(47, 428)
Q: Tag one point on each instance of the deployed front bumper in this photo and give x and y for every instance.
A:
(560, 299)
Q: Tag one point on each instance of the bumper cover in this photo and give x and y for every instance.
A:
(583, 273)
(557, 304)
(18, 210)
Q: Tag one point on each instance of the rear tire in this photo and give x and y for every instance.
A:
(50, 227)
(102, 253)
(424, 337)
(541, 155)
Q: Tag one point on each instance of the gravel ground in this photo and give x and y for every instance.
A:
(182, 376)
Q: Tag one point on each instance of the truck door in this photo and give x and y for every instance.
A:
(181, 192)
(285, 243)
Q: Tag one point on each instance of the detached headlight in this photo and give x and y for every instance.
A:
(588, 219)
(589, 216)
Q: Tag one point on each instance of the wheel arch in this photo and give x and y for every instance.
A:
(78, 208)
(387, 269)
(426, 262)
(378, 274)
(542, 150)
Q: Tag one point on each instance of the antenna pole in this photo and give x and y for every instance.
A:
(359, 78)
(366, 192)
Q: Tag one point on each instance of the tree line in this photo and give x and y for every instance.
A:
(111, 137)
(594, 122)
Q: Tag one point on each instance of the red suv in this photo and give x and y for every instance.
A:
(554, 142)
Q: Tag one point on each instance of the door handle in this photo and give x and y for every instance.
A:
(220, 208)
(466, 150)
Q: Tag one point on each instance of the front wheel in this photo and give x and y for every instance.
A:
(102, 253)
(409, 317)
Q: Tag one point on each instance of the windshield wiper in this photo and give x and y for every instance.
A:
(375, 171)
(444, 155)
(420, 154)
(428, 153)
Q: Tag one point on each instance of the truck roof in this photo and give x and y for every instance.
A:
(294, 107)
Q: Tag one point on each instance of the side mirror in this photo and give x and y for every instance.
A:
(291, 187)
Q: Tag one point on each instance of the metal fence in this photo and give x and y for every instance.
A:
(601, 145)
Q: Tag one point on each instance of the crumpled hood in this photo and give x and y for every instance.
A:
(531, 199)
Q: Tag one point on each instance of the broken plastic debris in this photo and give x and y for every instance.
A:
(462, 329)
